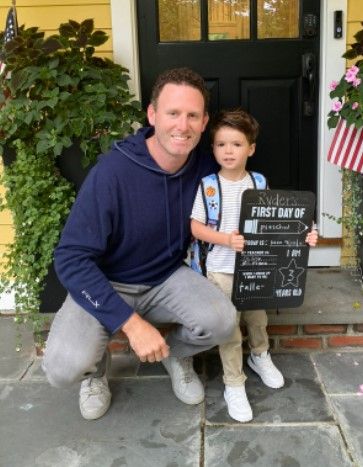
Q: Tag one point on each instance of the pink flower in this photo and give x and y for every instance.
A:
(333, 85)
(337, 106)
(351, 74)
(355, 105)
(356, 82)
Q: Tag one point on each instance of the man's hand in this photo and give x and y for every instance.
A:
(145, 340)
(236, 241)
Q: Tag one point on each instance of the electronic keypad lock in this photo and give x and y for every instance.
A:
(310, 25)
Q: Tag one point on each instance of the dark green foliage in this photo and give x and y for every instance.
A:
(57, 93)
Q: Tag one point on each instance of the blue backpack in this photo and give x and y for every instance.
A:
(212, 200)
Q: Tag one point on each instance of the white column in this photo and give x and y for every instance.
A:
(124, 38)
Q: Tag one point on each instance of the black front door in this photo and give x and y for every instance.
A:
(261, 55)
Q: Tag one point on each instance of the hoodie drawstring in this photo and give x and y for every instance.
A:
(167, 216)
(181, 243)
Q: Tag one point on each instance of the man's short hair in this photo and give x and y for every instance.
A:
(237, 119)
(184, 76)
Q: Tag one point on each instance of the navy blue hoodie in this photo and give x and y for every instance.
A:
(130, 224)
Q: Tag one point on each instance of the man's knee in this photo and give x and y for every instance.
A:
(224, 322)
(62, 371)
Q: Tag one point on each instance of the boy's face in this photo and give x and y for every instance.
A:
(232, 149)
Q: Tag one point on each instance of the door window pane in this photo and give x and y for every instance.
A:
(277, 19)
(179, 20)
(228, 19)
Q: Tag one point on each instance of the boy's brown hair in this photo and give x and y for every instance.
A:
(237, 119)
(182, 75)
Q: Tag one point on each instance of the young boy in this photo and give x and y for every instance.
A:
(234, 136)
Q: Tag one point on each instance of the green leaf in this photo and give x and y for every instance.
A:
(43, 146)
(67, 30)
(87, 26)
(53, 63)
(333, 121)
(98, 38)
(51, 44)
(64, 80)
(350, 54)
(74, 25)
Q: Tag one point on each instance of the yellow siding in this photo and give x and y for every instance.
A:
(355, 11)
(355, 16)
(47, 15)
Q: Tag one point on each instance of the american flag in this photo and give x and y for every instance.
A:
(11, 29)
(346, 149)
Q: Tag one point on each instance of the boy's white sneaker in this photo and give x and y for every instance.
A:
(265, 368)
(94, 397)
(185, 382)
(237, 403)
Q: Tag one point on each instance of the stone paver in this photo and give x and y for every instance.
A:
(300, 400)
(341, 372)
(349, 412)
(275, 446)
(315, 420)
(13, 362)
(145, 426)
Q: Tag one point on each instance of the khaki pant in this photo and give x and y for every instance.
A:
(231, 351)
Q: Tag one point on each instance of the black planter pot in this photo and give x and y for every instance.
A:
(70, 166)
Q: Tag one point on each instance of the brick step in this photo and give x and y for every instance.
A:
(287, 337)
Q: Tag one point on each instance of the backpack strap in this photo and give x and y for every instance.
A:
(211, 193)
(259, 180)
(212, 200)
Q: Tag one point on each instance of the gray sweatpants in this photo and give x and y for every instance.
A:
(77, 342)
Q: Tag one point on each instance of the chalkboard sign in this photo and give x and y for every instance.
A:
(271, 271)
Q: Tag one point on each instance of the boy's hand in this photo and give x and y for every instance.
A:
(236, 241)
(312, 238)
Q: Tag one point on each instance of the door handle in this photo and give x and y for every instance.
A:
(309, 83)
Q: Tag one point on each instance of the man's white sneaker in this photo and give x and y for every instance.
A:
(185, 382)
(237, 403)
(265, 368)
(94, 397)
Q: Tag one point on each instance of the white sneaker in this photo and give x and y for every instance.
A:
(185, 383)
(94, 398)
(265, 368)
(237, 403)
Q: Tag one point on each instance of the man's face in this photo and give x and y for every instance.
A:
(179, 118)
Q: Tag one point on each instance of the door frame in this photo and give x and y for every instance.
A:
(332, 66)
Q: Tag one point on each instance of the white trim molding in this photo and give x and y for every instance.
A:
(124, 38)
(332, 67)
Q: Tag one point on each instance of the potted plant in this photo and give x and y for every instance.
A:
(346, 116)
(57, 100)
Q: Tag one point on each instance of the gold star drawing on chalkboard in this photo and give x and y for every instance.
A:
(291, 274)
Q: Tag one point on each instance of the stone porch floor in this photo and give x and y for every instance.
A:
(315, 420)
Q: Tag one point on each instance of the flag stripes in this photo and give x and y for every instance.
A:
(346, 149)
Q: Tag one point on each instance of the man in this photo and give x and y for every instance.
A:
(121, 255)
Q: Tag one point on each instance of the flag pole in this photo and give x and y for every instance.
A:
(13, 2)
